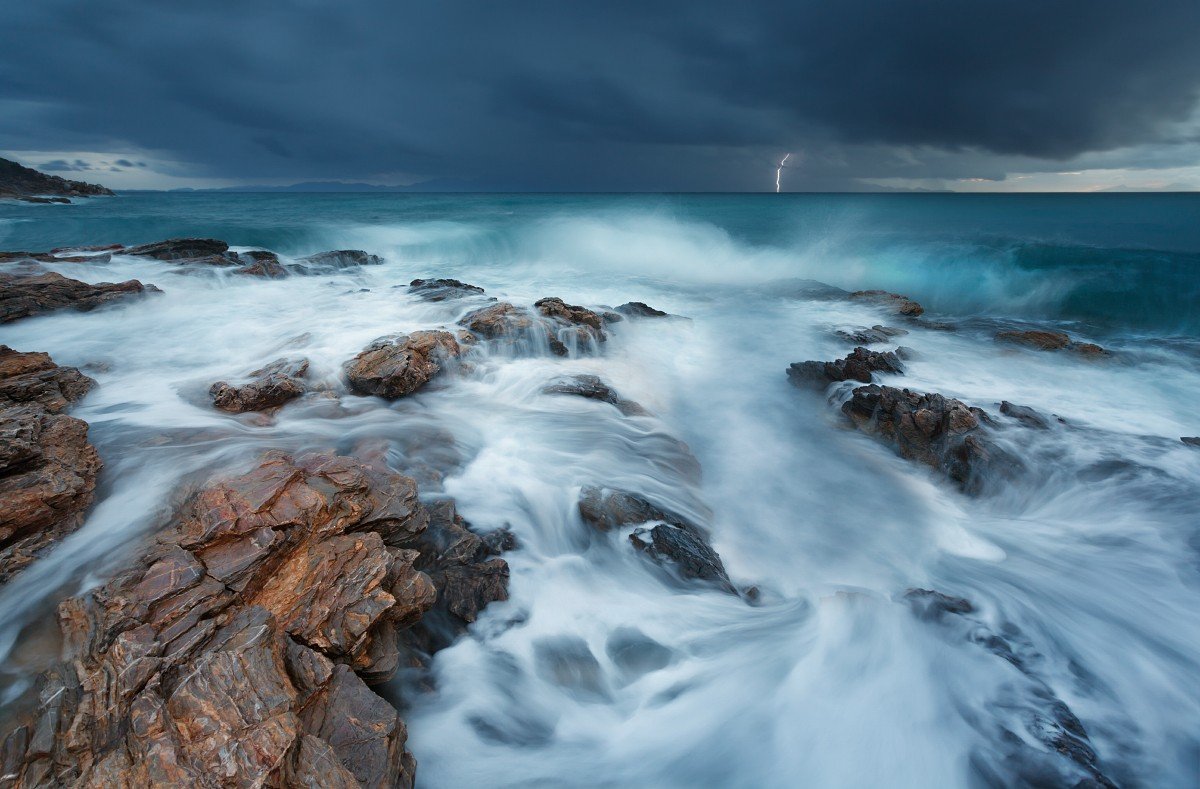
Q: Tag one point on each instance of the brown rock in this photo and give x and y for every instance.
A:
(894, 302)
(499, 321)
(269, 387)
(941, 432)
(227, 653)
(573, 325)
(37, 292)
(1041, 340)
(859, 365)
(261, 263)
(401, 364)
(47, 467)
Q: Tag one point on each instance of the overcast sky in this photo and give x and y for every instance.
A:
(646, 95)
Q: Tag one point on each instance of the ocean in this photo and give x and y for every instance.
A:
(1083, 574)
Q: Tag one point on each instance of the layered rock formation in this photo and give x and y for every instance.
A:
(1042, 340)
(27, 292)
(47, 467)
(237, 649)
(400, 364)
(859, 366)
(443, 289)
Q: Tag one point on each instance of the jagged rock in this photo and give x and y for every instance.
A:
(639, 309)
(871, 336)
(47, 467)
(467, 571)
(572, 325)
(232, 651)
(943, 433)
(1025, 415)
(269, 387)
(24, 294)
(675, 542)
(857, 366)
(512, 326)
(443, 289)
(1046, 717)
(261, 264)
(1050, 341)
(183, 249)
(24, 183)
(593, 388)
(336, 260)
(400, 364)
(894, 302)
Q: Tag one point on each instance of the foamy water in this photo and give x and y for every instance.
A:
(1088, 568)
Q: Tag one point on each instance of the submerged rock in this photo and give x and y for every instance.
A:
(269, 387)
(857, 366)
(1046, 718)
(443, 289)
(261, 263)
(1191, 441)
(894, 302)
(47, 467)
(511, 326)
(336, 260)
(675, 542)
(24, 294)
(400, 364)
(593, 388)
(941, 432)
(1042, 340)
(1025, 415)
(233, 649)
(871, 336)
(572, 325)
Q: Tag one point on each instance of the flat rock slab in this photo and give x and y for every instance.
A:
(23, 295)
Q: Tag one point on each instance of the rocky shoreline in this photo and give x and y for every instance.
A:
(241, 642)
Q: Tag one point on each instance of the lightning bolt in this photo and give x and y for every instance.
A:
(779, 171)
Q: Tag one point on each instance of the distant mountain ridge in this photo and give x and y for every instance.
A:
(18, 182)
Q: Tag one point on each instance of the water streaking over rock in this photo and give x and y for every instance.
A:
(962, 552)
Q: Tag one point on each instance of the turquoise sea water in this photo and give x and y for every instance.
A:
(1087, 568)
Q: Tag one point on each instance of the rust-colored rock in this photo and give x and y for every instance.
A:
(47, 467)
(233, 651)
(941, 432)
(400, 364)
(269, 387)
(572, 325)
(27, 293)
(1042, 340)
(894, 302)
(260, 263)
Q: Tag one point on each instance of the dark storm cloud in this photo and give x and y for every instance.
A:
(659, 95)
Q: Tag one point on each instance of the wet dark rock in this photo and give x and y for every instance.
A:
(268, 387)
(638, 309)
(511, 326)
(24, 294)
(443, 289)
(871, 336)
(686, 550)
(400, 364)
(1045, 717)
(47, 467)
(336, 260)
(18, 182)
(1042, 340)
(593, 388)
(233, 649)
(893, 302)
(184, 249)
(676, 542)
(857, 366)
(466, 570)
(1025, 415)
(1191, 441)
(261, 263)
(941, 432)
